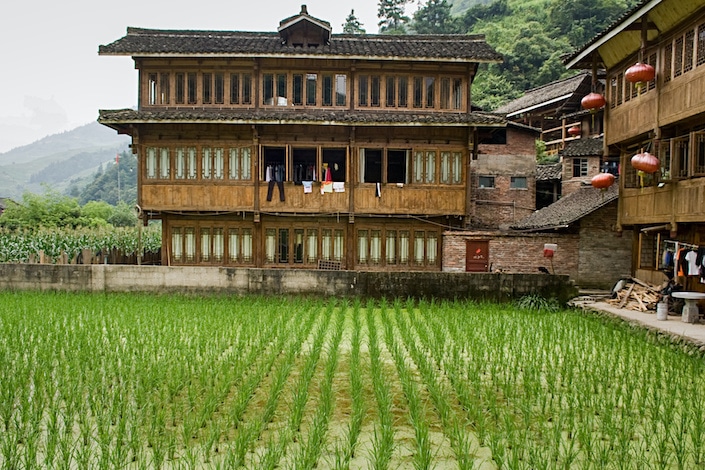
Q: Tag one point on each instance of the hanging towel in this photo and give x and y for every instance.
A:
(378, 190)
(308, 186)
(338, 187)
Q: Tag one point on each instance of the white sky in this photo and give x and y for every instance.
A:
(52, 78)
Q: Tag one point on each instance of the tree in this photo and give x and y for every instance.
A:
(435, 18)
(391, 15)
(581, 20)
(352, 24)
(105, 187)
(47, 210)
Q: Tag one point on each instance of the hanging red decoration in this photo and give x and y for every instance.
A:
(593, 101)
(640, 73)
(574, 131)
(646, 162)
(602, 180)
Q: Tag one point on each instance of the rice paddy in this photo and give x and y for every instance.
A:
(142, 381)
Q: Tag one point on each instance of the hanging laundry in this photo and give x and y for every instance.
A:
(327, 184)
(691, 257)
(308, 186)
(338, 187)
(378, 190)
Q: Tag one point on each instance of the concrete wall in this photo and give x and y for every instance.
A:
(240, 281)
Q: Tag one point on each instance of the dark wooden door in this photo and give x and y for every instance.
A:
(477, 256)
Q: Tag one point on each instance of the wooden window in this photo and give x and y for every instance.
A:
(667, 62)
(371, 165)
(176, 244)
(192, 163)
(430, 90)
(311, 246)
(189, 244)
(234, 88)
(240, 163)
(311, 89)
(403, 92)
(431, 248)
(681, 157)
(699, 154)
(205, 244)
(218, 164)
(341, 90)
(678, 57)
(390, 247)
(419, 248)
(419, 166)
(164, 88)
(219, 88)
(688, 49)
(580, 167)
(164, 167)
(206, 163)
(620, 88)
(362, 92)
(246, 88)
(335, 158)
(298, 89)
(398, 166)
(404, 247)
(180, 85)
(192, 87)
(270, 245)
(151, 163)
(391, 92)
(303, 164)
(418, 92)
(327, 90)
(445, 93)
(652, 61)
(274, 89)
(375, 90)
(701, 45)
(362, 247)
(240, 245)
(298, 246)
(207, 88)
(425, 248)
(375, 246)
(327, 244)
(338, 245)
(283, 245)
(451, 167)
(457, 93)
(218, 242)
(664, 153)
(152, 88)
(180, 164)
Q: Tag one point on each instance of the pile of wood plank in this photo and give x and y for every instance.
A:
(638, 295)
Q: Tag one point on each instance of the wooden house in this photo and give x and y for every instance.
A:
(303, 148)
(665, 117)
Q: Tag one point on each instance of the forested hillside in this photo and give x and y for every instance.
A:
(532, 35)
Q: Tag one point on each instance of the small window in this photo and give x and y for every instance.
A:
(518, 182)
(580, 167)
(397, 166)
(486, 182)
(371, 165)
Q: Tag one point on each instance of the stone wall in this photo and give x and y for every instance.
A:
(241, 281)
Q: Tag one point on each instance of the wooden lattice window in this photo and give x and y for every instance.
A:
(701, 45)
(667, 62)
(688, 49)
(678, 57)
(699, 154)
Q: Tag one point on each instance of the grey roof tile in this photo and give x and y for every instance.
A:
(569, 209)
(590, 147)
(577, 84)
(283, 116)
(553, 171)
(153, 42)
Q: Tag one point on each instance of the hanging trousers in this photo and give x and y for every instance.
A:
(270, 190)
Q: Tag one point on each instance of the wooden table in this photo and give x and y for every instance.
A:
(690, 309)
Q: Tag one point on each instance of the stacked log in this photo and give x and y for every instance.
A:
(637, 295)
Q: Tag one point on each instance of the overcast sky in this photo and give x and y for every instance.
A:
(53, 80)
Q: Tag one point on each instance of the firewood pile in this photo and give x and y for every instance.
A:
(636, 295)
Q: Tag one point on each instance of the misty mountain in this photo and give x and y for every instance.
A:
(59, 161)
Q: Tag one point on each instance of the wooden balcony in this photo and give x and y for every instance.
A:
(679, 201)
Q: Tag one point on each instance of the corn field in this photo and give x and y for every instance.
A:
(20, 246)
(151, 382)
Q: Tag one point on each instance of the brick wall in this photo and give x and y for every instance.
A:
(604, 256)
(570, 184)
(593, 255)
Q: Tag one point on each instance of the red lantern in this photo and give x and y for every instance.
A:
(602, 180)
(640, 73)
(574, 131)
(593, 102)
(646, 162)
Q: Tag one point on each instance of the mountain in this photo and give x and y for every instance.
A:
(60, 161)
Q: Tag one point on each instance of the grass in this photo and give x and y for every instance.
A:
(140, 381)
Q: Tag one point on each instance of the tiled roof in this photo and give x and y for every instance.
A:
(591, 147)
(553, 171)
(165, 43)
(284, 116)
(569, 209)
(551, 91)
